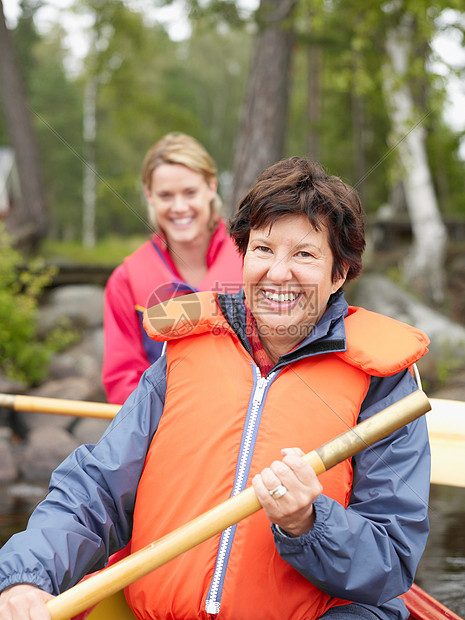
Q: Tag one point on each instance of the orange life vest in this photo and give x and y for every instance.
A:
(194, 461)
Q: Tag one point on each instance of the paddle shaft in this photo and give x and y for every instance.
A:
(39, 404)
(119, 575)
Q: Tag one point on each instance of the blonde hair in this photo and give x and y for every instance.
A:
(179, 148)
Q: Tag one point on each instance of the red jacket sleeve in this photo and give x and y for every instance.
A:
(124, 358)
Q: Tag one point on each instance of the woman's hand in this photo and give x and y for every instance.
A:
(293, 511)
(24, 602)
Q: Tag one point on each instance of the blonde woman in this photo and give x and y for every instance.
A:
(189, 251)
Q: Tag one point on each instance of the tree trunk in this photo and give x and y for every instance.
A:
(263, 126)
(89, 174)
(314, 70)
(424, 268)
(28, 220)
(358, 128)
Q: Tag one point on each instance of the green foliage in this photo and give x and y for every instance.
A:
(23, 355)
(447, 168)
(149, 84)
(110, 250)
(161, 86)
(56, 106)
(354, 128)
(449, 363)
(353, 124)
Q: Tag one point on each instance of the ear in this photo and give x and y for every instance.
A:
(336, 285)
(147, 193)
(213, 185)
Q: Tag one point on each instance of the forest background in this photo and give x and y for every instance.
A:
(358, 86)
(135, 83)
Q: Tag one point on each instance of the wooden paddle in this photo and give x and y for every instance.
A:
(91, 591)
(39, 404)
(446, 430)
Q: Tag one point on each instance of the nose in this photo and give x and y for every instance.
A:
(179, 204)
(280, 269)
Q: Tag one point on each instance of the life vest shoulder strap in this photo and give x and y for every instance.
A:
(146, 271)
(188, 315)
(380, 345)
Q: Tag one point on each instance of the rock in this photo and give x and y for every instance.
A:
(447, 348)
(8, 468)
(83, 360)
(45, 449)
(81, 303)
(89, 430)
(9, 386)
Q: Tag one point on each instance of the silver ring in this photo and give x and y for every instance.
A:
(278, 491)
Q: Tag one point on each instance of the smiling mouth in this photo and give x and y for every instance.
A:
(281, 298)
(182, 221)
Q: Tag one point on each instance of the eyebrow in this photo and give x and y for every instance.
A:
(302, 245)
(260, 240)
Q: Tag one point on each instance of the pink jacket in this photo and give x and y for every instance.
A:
(147, 277)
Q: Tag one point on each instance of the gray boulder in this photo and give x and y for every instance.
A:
(447, 348)
(45, 449)
(89, 430)
(81, 303)
(83, 360)
(8, 466)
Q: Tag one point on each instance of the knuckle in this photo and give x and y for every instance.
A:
(279, 467)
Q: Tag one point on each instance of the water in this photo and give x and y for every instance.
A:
(16, 504)
(441, 571)
(442, 568)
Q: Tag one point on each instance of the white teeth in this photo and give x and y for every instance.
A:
(182, 220)
(280, 296)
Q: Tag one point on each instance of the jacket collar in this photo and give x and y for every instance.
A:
(327, 336)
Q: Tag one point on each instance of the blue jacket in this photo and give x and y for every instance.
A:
(88, 512)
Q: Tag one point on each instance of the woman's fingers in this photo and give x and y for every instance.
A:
(286, 491)
(24, 602)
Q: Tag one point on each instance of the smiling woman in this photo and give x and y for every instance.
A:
(248, 383)
(190, 250)
(287, 277)
(301, 240)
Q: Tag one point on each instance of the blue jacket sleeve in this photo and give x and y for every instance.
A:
(368, 553)
(87, 514)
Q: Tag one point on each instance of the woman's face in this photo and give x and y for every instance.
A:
(287, 279)
(181, 201)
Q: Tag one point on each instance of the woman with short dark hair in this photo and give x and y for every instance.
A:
(249, 382)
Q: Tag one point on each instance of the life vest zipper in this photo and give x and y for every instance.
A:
(249, 433)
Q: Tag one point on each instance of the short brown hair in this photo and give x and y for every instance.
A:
(298, 186)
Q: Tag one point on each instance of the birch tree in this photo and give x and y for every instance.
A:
(89, 176)
(424, 266)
